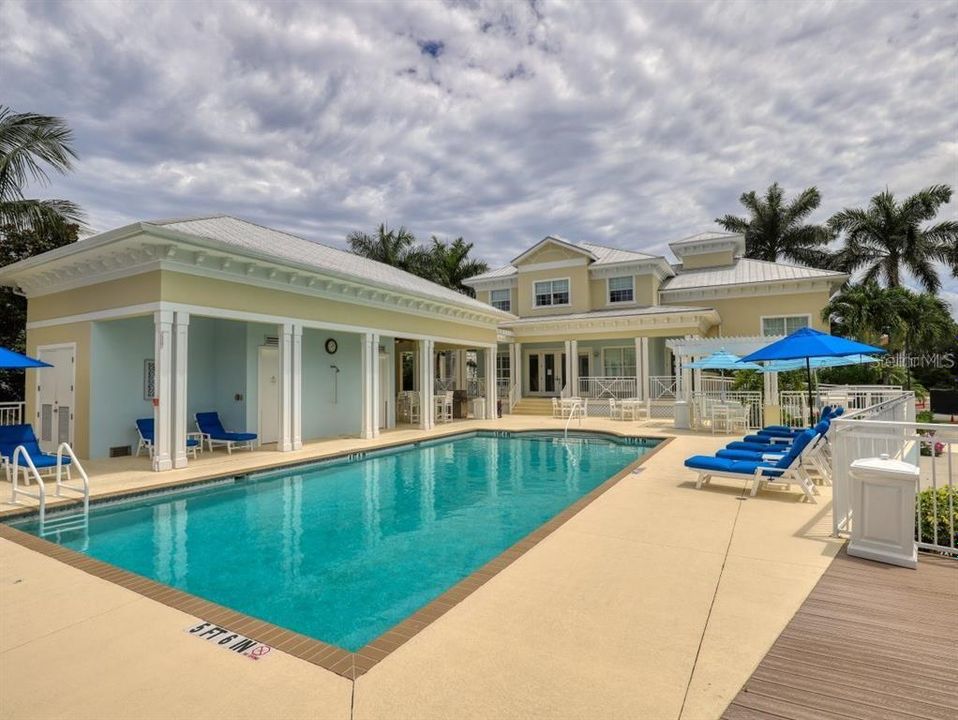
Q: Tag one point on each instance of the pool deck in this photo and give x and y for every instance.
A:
(656, 600)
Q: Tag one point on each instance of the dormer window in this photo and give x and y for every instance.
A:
(549, 293)
(622, 289)
(501, 299)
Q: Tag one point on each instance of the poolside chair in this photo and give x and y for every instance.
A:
(785, 471)
(768, 453)
(556, 408)
(14, 436)
(147, 434)
(211, 428)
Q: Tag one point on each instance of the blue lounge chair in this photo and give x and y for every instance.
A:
(12, 437)
(147, 432)
(785, 471)
(210, 425)
(767, 452)
(762, 444)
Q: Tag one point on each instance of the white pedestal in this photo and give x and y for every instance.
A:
(683, 420)
(883, 511)
(478, 408)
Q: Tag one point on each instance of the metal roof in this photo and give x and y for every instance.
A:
(745, 271)
(597, 314)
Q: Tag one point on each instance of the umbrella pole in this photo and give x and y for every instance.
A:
(811, 407)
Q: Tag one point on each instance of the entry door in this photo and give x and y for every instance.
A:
(268, 394)
(55, 396)
(545, 373)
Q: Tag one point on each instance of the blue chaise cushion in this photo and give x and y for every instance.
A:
(724, 465)
(209, 423)
(12, 436)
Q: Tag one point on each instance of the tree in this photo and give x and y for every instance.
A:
(451, 264)
(443, 263)
(391, 247)
(775, 229)
(888, 238)
(864, 311)
(29, 145)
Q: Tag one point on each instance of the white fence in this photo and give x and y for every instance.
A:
(888, 427)
(594, 387)
(794, 403)
(703, 402)
(662, 387)
(12, 413)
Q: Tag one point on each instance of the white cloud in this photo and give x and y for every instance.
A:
(630, 124)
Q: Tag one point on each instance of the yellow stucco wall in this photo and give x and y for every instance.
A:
(135, 290)
(486, 297)
(646, 293)
(579, 293)
(551, 253)
(78, 333)
(626, 334)
(705, 260)
(742, 316)
(182, 288)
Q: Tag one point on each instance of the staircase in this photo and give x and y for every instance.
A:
(533, 406)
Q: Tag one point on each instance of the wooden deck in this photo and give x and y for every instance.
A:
(871, 641)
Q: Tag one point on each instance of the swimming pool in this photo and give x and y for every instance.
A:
(344, 549)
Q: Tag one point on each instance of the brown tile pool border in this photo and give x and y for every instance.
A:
(347, 664)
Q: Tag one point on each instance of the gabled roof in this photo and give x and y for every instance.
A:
(554, 240)
(745, 271)
(495, 274)
(605, 255)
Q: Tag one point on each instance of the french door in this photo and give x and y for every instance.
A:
(545, 373)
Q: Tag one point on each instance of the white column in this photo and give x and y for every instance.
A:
(377, 391)
(163, 385)
(490, 354)
(646, 369)
(566, 390)
(296, 391)
(574, 374)
(460, 369)
(517, 368)
(181, 338)
(366, 352)
(284, 386)
(698, 379)
(425, 384)
(640, 362)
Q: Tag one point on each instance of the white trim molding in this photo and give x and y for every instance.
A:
(535, 294)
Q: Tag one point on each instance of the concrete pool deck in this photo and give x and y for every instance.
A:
(655, 600)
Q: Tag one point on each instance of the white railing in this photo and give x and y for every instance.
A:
(713, 384)
(503, 387)
(60, 522)
(794, 403)
(575, 410)
(12, 413)
(662, 387)
(595, 387)
(889, 428)
(441, 385)
(750, 399)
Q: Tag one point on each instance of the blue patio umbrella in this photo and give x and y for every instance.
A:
(10, 360)
(806, 344)
(818, 363)
(721, 360)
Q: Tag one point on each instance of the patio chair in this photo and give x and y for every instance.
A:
(785, 471)
(211, 428)
(768, 453)
(556, 408)
(12, 437)
(147, 434)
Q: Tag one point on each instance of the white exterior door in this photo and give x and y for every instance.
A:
(55, 396)
(268, 394)
(545, 373)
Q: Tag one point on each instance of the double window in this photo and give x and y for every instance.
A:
(621, 289)
(783, 324)
(618, 361)
(501, 299)
(551, 292)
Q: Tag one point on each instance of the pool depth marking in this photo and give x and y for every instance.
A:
(221, 637)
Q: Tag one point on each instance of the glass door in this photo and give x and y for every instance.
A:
(545, 373)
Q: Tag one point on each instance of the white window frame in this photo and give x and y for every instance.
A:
(535, 295)
(785, 319)
(508, 302)
(608, 291)
(635, 359)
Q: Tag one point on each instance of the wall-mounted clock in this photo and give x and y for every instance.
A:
(332, 346)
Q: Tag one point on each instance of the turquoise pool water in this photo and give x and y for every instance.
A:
(343, 550)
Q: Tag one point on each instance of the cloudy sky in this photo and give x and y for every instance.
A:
(626, 123)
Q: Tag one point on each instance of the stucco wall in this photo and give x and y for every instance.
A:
(705, 260)
(646, 293)
(742, 316)
(579, 293)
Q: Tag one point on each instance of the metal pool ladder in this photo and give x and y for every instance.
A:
(576, 407)
(60, 521)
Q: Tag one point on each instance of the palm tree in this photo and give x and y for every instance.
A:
(29, 144)
(887, 238)
(924, 321)
(864, 311)
(386, 246)
(450, 264)
(777, 229)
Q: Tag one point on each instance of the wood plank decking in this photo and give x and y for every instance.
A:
(871, 641)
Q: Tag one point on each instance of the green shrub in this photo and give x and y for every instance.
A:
(926, 514)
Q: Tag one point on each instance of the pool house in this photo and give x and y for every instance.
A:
(281, 337)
